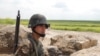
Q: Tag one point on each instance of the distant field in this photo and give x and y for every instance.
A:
(75, 25)
(72, 25)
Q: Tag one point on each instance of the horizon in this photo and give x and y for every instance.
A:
(52, 19)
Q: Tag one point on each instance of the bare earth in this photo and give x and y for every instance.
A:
(93, 51)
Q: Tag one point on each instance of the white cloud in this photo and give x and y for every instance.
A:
(60, 5)
(52, 9)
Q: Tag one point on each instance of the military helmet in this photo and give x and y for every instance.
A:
(37, 19)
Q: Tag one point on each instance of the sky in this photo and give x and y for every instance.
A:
(52, 9)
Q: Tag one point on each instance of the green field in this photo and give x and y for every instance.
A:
(72, 25)
(75, 25)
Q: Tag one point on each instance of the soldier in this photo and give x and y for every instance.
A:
(38, 25)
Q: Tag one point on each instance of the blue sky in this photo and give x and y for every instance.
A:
(52, 9)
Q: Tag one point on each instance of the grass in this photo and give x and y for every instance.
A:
(93, 26)
(72, 25)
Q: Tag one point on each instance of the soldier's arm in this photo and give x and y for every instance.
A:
(22, 51)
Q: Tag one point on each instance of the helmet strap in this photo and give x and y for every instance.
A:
(42, 35)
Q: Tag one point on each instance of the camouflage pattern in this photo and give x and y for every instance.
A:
(34, 48)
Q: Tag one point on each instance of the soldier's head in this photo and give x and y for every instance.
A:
(38, 24)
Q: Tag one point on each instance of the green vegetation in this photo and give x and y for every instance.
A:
(72, 25)
(75, 25)
(7, 21)
(12, 21)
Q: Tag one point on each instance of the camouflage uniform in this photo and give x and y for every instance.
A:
(35, 48)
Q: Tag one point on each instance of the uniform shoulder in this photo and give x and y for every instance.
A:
(24, 41)
(24, 45)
